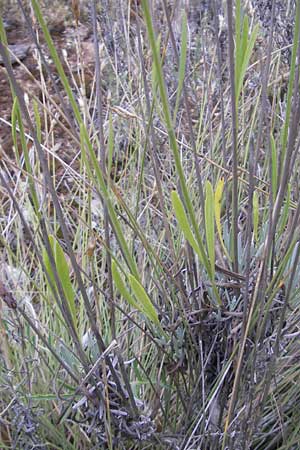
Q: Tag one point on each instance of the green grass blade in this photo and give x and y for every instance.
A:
(154, 74)
(210, 225)
(197, 245)
(110, 146)
(37, 120)
(286, 211)
(122, 288)
(245, 58)
(143, 299)
(238, 30)
(255, 215)
(218, 204)
(63, 274)
(187, 232)
(14, 125)
(182, 64)
(274, 166)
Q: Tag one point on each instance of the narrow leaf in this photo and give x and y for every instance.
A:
(14, 123)
(64, 276)
(285, 212)
(244, 56)
(110, 146)
(62, 272)
(185, 227)
(122, 288)
(255, 215)
(218, 203)
(144, 301)
(210, 225)
(274, 166)
(182, 64)
(37, 120)
(154, 69)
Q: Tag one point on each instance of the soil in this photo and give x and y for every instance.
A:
(30, 74)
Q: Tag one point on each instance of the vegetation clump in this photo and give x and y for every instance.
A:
(149, 215)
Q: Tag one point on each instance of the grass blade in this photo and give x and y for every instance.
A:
(210, 225)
